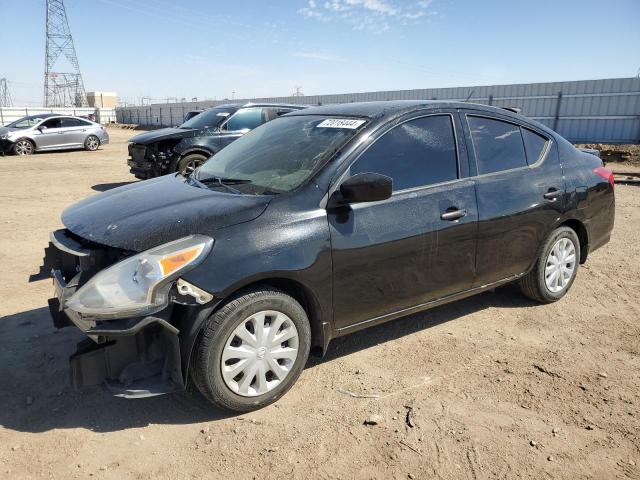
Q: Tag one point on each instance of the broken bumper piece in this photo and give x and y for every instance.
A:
(132, 357)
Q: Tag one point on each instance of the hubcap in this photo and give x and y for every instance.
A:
(92, 143)
(24, 148)
(190, 167)
(259, 353)
(560, 266)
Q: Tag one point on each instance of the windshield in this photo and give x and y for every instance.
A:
(282, 154)
(210, 118)
(26, 122)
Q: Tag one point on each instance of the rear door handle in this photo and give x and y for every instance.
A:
(552, 194)
(453, 214)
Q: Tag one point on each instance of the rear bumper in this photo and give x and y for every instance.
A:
(132, 357)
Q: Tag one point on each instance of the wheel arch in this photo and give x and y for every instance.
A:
(583, 236)
(320, 330)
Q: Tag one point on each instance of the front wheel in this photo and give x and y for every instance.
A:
(252, 350)
(91, 143)
(556, 268)
(188, 164)
(24, 147)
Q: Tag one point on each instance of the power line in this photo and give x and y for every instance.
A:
(61, 89)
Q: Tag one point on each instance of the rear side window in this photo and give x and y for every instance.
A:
(498, 145)
(534, 145)
(416, 153)
(74, 122)
(246, 119)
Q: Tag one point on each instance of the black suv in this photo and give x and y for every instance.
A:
(184, 148)
(318, 224)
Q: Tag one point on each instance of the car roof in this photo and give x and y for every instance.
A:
(251, 104)
(391, 108)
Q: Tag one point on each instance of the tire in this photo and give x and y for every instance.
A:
(189, 163)
(92, 143)
(535, 284)
(23, 146)
(214, 352)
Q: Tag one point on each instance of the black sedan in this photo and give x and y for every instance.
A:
(317, 224)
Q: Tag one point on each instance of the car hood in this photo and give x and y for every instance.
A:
(164, 134)
(5, 130)
(149, 213)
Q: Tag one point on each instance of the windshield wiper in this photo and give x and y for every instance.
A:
(224, 182)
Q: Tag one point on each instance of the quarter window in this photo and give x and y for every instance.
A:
(534, 145)
(498, 145)
(414, 154)
(246, 119)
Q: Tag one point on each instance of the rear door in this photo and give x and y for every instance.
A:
(418, 245)
(520, 191)
(75, 131)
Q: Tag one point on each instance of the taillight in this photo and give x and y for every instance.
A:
(606, 174)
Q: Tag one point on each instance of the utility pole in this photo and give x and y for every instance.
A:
(61, 88)
(5, 95)
(297, 92)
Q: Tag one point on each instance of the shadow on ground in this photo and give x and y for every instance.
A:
(103, 187)
(35, 394)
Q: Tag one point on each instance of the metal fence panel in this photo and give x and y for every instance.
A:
(582, 111)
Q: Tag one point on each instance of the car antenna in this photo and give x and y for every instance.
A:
(470, 95)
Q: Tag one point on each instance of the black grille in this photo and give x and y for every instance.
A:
(137, 152)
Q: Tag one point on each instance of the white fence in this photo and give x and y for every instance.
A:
(100, 115)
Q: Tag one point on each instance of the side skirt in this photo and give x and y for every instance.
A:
(425, 306)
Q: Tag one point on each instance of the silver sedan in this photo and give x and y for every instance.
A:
(38, 133)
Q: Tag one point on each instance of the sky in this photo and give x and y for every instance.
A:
(238, 49)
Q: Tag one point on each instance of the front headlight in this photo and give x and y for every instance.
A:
(4, 136)
(139, 285)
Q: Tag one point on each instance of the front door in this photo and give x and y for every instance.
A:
(49, 134)
(520, 191)
(417, 246)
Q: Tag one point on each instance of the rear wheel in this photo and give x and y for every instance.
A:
(252, 350)
(91, 143)
(556, 268)
(188, 164)
(24, 147)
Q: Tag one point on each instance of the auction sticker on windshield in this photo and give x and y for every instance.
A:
(340, 123)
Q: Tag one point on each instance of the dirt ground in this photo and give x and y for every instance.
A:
(490, 387)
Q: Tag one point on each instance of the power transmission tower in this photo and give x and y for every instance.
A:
(61, 88)
(297, 92)
(5, 95)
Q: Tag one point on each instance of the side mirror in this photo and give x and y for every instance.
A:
(364, 187)
(42, 128)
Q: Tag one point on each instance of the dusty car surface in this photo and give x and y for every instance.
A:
(317, 224)
(184, 148)
(37, 133)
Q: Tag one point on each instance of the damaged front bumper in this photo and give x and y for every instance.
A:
(133, 357)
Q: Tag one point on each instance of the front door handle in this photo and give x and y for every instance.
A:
(453, 214)
(552, 194)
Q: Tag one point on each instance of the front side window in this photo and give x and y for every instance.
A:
(245, 119)
(498, 145)
(416, 153)
(211, 118)
(52, 123)
(280, 155)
